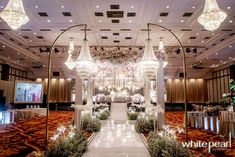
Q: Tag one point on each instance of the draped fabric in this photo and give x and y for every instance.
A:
(196, 90)
(8, 90)
(60, 90)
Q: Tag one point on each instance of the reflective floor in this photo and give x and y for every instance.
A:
(117, 138)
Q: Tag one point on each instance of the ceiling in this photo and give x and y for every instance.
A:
(118, 39)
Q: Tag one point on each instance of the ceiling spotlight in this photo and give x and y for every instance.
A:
(228, 7)
(48, 21)
(160, 21)
(3, 46)
(230, 46)
(193, 7)
(36, 6)
(97, 6)
(62, 6)
(167, 7)
(182, 21)
(230, 21)
(132, 7)
(177, 51)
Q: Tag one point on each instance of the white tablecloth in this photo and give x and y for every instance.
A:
(227, 123)
(40, 111)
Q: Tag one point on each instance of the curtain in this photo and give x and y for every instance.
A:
(8, 90)
(60, 90)
(195, 90)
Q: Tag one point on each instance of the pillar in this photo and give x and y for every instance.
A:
(160, 95)
(148, 105)
(78, 101)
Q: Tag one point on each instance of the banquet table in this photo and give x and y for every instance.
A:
(199, 120)
(227, 123)
(24, 114)
(39, 111)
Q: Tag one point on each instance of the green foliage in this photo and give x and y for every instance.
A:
(166, 146)
(90, 124)
(68, 147)
(145, 124)
(103, 115)
(132, 115)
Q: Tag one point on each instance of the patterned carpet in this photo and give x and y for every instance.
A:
(25, 136)
(175, 119)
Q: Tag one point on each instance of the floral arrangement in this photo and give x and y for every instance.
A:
(102, 113)
(90, 124)
(213, 110)
(162, 144)
(145, 123)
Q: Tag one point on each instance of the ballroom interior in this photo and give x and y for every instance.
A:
(117, 78)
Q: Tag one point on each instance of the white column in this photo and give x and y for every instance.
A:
(148, 105)
(78, 101)
(90, 93)
(160, 95)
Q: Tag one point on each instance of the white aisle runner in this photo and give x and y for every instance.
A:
(117, 137)
(119, 112)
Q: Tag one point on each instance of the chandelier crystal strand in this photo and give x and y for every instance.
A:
(85, 65)
(161, 54)
(149, 63)
(212, 16)
(70, 62)
(14, 14)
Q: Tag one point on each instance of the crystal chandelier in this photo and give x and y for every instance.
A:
(149, 63)
(161, 55)
(84, 64)
(212, 16)
(70, 62)
(14, 14)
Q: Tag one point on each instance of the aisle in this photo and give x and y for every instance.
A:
(117, 138)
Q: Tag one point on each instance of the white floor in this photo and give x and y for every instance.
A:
(117, 137)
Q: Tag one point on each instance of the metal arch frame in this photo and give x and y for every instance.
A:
(184, 72)
(49, 73)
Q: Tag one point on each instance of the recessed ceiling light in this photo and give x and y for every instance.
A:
(197, 34)
(34, 33)
(30, 41)
(221, 61)
(62, 6)
(193, 7)
(230, 46)
(128, 33)
(200, 61)
(216, 53)
(70, 20)
(132, 7)
(3, 46)
(213, 34)
(36, 6)
(167, 7)
(230, 57)
(103, 33)
(182, 21)
(48, 21)
(207, 57)
(8, 57)
(18, 61)
(129, 21)
(18, 53)
(59, 53)
(97, 6)
(228, 7)
(100, 21)
(230, 21)
(202, 41)
(19, 33)
(2, 6)
(160, 21)
(189, 41)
